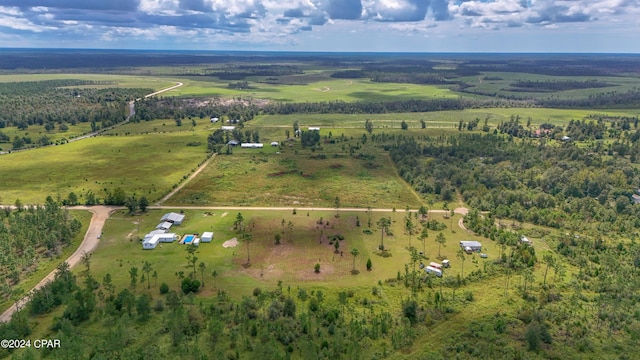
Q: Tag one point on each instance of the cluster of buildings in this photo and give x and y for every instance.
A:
(436, 268)
(162, 233)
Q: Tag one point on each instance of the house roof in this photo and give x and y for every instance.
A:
(470, 244)
(173, 217)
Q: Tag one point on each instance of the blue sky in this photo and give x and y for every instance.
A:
(325, 25)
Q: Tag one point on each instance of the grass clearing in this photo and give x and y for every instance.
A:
(141, 165)
(328, 90)
(115, 81)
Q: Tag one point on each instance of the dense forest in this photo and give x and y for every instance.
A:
(528, 180)
(28, 234)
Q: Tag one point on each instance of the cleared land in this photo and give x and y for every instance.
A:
(141, 165)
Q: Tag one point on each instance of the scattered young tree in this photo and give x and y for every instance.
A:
(202, 268)
(442, 241)
(146, 267)
(462, 256)
(336, 203)
(143, 203)
(133, 275)
(369, 264)
(354, 252)
(383, 224)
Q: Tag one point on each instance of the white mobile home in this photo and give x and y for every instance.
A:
(434, 271)
(275, 143)
(227, 128)
(252, 145)
(207, 236)
(314, 128)
(436, 265)
(150, 243)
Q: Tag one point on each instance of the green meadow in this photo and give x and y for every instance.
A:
(143, 165)
(316, 91)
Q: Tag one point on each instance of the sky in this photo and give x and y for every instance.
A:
(587, 26)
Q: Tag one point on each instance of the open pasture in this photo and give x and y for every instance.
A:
(263, 178)
(439, 119)
(327, 90)
(145, 165)
(501, 83)
(36, 132)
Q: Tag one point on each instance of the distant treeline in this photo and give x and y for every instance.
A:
(557, 85)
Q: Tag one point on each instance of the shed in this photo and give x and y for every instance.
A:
(233, 142)
(173, 217)
(470, 246)
(314, 128)
(164, 225)
(196, 241)
(227, 128)
(525, 240)
(252, 145)
(207, 236)
(275, 143)
(214, 119)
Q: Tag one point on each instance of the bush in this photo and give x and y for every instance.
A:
(257, 291)
(317, 268)
(369, 264)
(164, 288)
(190, 285)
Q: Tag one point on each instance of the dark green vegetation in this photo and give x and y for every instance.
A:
(56, 108)
(28, 235)
(341, 284)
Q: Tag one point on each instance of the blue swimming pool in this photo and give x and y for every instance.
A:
(188, 239)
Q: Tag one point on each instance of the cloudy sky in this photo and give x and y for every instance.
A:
(325, 25)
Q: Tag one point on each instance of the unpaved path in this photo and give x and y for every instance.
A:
(186, 181)
(91, 239)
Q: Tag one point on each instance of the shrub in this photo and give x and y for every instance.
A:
(257, 291)
(369, 264)
(164, 288)
(317, 268)
(190, 285)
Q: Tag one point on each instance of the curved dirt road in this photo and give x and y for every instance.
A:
(100, 215)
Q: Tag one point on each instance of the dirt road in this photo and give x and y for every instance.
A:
(91, 238)
(195, 173)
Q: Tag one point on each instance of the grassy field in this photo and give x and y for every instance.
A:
(45, 265)
(326, 90)
(144, 165)
(35, 132)
(499, 83)
(439, 119)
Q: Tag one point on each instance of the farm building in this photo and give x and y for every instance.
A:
(470, 246)
(275, 143)
(227, 128)
(314, 128)
(164, 225)
(174, 218)
(252, 145)
(207, 236)
(151, 240)
(214, 119)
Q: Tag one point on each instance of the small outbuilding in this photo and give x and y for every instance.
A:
(214, 119)
(525, 240)
(207, 236)
(164, 225)
(314, 128)
(174, 218)
(252, 145)
(227, 128)
(275, 143)
(233, 143)
(471, 246)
